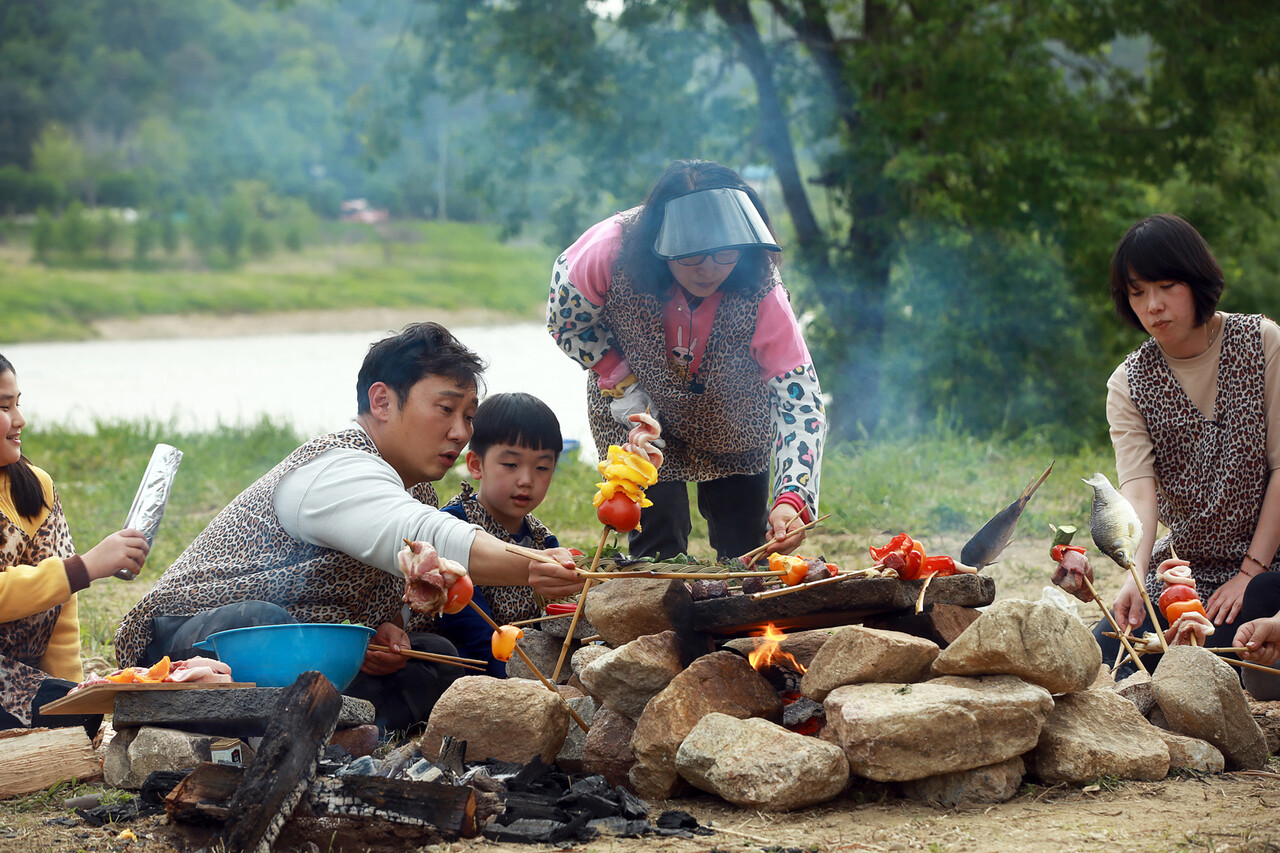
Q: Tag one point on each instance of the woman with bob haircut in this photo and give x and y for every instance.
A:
(677, 307)
(1194, 415)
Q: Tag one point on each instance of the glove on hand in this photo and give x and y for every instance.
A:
(635, 400)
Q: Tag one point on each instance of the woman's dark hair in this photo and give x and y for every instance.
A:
(515, 418)
(1165, 247)
(420, 350)
(648, 272)
(24, 485)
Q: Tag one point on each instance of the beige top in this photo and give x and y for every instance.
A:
(1198, 377)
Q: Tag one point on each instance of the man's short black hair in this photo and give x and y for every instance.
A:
(518, 419)
(420, 350)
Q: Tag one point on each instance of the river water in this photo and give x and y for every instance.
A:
(304, 380)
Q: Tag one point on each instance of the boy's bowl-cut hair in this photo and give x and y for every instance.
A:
(516, 418)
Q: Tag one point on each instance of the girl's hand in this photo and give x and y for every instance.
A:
(786, 528)
(1262, 638)
(393, 637)
(124, 549)
(1224, 604)
(1129, 608)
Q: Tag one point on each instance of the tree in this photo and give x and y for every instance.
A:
(972, 132)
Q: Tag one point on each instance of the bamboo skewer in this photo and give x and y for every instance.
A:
(464, 663)
(755, 553)
(1151, 608)
(535, 620)
(787, 590)
(524, 657)
(1227, 650)
(582, 602)
(692, 576)
(1244, 664)
(538, 556)
(1124, 637)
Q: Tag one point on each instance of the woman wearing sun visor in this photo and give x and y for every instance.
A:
(677, 307)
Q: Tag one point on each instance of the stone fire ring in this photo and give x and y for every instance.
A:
(832, 605)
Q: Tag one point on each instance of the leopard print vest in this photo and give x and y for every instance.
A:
(23, 642)
(723, 429)
(1211, 473)
(245, 555)
(507, 603)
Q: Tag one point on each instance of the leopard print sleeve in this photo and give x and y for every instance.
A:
(798, 432)
(576, 324)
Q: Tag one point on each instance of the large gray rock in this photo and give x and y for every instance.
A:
(1098, 733)
(1137, 689)
(1191, 753)
(857, 655)
(626, 610)
(995, 783)
(511, 719)
(570, 759)
(1034, 641)
(898, 732)
(626, 678)
(722, 682)
(543, 650)
(757, 764)
(136, 753)
(1201, 697)
(607, 750)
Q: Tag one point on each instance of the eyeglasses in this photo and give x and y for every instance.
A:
(724, 257)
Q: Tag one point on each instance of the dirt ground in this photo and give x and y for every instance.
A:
(1229, 812)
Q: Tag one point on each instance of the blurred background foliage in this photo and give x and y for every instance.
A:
(948, 178)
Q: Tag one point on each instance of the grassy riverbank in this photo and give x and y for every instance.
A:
(939, 489)
(422, 265)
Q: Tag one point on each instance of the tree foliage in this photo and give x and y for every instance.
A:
(955, 173)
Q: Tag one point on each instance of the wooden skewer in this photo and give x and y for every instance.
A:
(787, 590)
(537, 619)
(1225, 650)
(582, 602)
(465, 663)
(524, 657)
(1124, 637)
(1244, 664)
(1151, 608)
(539, 556)
(693, 576)
(755, 553)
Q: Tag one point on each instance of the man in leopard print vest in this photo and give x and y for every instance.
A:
(677, 307)
(315, 538)
(1195, 423)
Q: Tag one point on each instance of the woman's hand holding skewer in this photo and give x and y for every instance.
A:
(786, 528)
(1262, 639)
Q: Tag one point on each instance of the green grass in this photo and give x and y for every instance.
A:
(939, 489)
(442, 265)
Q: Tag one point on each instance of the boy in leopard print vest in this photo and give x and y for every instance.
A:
(514, 448)
(315, 539)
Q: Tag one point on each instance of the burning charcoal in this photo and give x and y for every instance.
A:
(804, 716)
(365, 765)
(621, 827)
(632, 806)
(750, 585)
(704, 589)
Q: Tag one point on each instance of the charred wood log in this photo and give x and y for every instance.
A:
(306, 717)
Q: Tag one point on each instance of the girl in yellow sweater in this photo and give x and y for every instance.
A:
(40, 573)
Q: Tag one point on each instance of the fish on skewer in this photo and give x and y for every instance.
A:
(987, 544)
(1117, 531)
(1113, 522)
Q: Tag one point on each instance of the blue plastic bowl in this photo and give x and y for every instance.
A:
(275, 655)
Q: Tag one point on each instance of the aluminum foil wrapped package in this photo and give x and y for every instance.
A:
(153, 494)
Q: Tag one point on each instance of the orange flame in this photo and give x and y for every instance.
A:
(770, 654)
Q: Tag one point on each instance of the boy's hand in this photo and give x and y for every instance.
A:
(555, 581)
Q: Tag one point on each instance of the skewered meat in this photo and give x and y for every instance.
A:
(701, 590)
(1188, 622)
(645, 438)
(1073, 571)
(433, 584)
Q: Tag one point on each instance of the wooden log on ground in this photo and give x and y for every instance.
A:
(425, 812)
(33, 759)
(285, 765)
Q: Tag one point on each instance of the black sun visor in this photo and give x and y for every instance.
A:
(711, 220)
